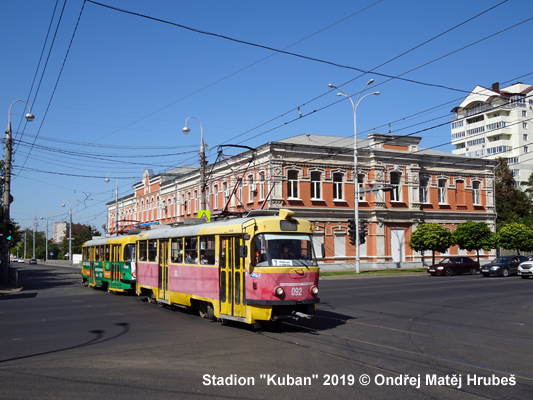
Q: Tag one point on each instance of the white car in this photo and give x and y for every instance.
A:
(525, 270)
(21, 260)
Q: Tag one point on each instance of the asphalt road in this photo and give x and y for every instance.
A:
(413, 337)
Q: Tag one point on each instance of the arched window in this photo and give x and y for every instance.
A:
(215, 197)
(251, 188)
(423, 190)
(442, 191)
(316, 185)
(476, 193)
(262, 186)
(292, 187)
(226, 191)
(395, 181)
(338, 192)
(239, 188)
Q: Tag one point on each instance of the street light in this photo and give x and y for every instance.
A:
(7, 190)
(186, 130)
(356, 178)
(69, 230)
(46, 240)
(116, 201)
(34, 229)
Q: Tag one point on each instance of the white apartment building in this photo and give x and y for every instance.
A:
(497, 122)
(60, 231)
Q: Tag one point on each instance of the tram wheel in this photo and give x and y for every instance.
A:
(209, 313)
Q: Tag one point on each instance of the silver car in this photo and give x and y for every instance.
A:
(525, 270)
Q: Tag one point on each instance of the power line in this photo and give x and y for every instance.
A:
(57, 81)
(272, 48)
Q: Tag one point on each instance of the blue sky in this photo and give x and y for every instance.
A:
(113, 97)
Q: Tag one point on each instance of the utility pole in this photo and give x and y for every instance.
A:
(4, 276)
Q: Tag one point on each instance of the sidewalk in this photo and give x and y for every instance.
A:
(9, 289)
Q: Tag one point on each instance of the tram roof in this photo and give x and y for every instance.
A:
(217, 226)
(192, 230)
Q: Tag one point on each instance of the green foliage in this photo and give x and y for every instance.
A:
(515, 236)
(434, 237)
(512, 204)
(472, 235)
(80, 234)
(528, 187)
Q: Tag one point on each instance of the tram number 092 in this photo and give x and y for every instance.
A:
(296, 291)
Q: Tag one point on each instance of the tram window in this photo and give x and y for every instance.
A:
(176, 252)
(259, 251)
(223, 286)
(106, 256)
(207, 250)
(115, 253)
(191, 250)
(152, 250)
(237, 288)
(142, 251)
(129, 252)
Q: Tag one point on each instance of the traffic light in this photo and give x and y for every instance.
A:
(351, 230)
(9, 230)
(363, 230)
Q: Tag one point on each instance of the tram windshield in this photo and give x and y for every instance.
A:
(284, 249)
(129, 252)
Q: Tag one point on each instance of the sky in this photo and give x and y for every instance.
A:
(111, 83)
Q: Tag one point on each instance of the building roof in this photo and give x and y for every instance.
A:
(373, 142)
(482, 94)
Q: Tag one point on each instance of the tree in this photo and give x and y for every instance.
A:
(434, 237)
(512, 204)
(515, 236)
(528, 187)
(80, 234)
(472, 235)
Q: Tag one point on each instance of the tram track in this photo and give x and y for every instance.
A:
(445, 338)
(375, 367)
(439, 361)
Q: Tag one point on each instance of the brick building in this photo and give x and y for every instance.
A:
(313, 176)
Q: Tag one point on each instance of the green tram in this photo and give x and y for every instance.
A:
(109, 263)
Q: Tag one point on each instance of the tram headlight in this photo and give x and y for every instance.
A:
(279, 291)
(314, 290)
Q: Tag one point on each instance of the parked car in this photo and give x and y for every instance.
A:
(21, 260)
(503, 266)
(525, 270)
(33, 261)
(454, 265)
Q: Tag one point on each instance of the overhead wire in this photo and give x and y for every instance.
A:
(196, 30)
(41, 58)
(57, 80)
(427, 41)
(272, 49)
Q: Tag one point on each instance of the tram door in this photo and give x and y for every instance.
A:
(163, 270)
(231, 277)
(115, 265)
(93, 254)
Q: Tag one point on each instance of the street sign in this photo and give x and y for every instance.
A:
(205, 214)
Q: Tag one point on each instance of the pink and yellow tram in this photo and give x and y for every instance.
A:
(253, 269)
